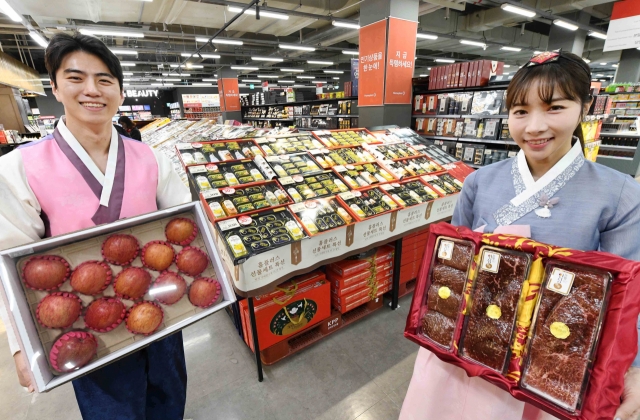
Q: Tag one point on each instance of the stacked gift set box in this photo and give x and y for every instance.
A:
(552, 326)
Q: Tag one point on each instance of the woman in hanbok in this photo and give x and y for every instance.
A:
(548, 192)
(84, 175)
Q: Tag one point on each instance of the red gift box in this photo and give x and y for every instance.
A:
(617, 346)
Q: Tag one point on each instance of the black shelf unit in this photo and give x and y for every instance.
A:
(314, 101)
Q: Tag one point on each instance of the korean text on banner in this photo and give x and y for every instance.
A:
(371, 66)
(401, 56)
(624, 27)
(231, 94)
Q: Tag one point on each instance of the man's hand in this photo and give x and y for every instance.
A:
(630, 407)
(24, 374)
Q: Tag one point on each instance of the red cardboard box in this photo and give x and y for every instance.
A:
(487, 69)
(342, 285)
(360, 293)
(345, 268)
(464, 69)
(344, 308)
(417, 104)
(458, 70)
(300, 304)
(336, 290)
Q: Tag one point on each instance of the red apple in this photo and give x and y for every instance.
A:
(91, 277)
(157, 255)
(105, 314)
(181, 231)
(144, 318)
(204, 292)
(168, 288)
(72, 351)
(59, 310)
(45, 272)
(120, 249)
(132, 283)
(192, 261)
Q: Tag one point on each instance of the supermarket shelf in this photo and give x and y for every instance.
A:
(500, 86)
(611, 146)
(625, 134)
(615, 157)
(267, 119)
(471, 140)
(327, 116)
(478, 116)
(627, 100)
(314, 101)
(437, 137)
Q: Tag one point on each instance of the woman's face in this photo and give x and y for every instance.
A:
(544, 131)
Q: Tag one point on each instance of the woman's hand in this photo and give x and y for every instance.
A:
(630, 407)
(22, 368)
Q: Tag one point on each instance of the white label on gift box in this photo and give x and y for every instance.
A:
(387, 187)
(214, 193)
(490, 261)
(298, 207)
(228, 224)
(197, 169)
(315, 152)
(184, 146)
(560, 281)
(286, 180)
(273, 159)
(340, 168)
(445, 252)
(347, 195)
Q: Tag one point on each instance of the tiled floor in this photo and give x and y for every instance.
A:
(361, 372)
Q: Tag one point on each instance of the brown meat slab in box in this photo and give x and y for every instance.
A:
(488, 333)
(565, 333)
(443, 301)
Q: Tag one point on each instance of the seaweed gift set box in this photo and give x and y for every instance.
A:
(554, 327)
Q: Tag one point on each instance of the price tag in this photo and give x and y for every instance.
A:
(197, 169)
(347, 195)
(340, 168)
(214, 193)
(560, 281)
(286, 180)
(490, 261)
(228, 224)
(298, 207)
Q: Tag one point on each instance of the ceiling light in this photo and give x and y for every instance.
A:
(426, 36)
(286, 81)
(244, 68)
(39, 39)
(445, 60)
(177, 74)
(106, 32)
(262, 13)
(124, 52)
(44, 79)
(219, 41)
(189, 66)
(586, 60)
(127, 73)
(335, 78)
(201, 84)
(507, 66)
(599, 75)
(318, 81)
(334, 71)
(7, 10)
(475, 43)
(126, 84)
(614, 65)
(296, 47)
(423, 75)
(277, 59)
(127, 64)
(428, 68)
(167, 80)
(603, 64)
(511, 49)
(292, 70)
(209, 80)
(305, 77)
(565, 25)
(537, 52)
(598, 35)
(518, 10)
(241, 85)
(325, 63)
(603, 80)
(161, 84)
(126, 80)
(347, 52)
(252, 80)
(345, 24)
(200, 55)
(268, 76)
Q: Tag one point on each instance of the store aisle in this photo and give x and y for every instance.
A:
(361, 372)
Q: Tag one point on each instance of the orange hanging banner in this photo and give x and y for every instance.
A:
(372, 63)
(230, 97)
(401, 57)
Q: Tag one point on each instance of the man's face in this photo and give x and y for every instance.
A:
(87, 89)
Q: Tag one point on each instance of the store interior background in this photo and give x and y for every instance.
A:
(359, 373)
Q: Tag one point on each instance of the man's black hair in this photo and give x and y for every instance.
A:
(62, 44)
